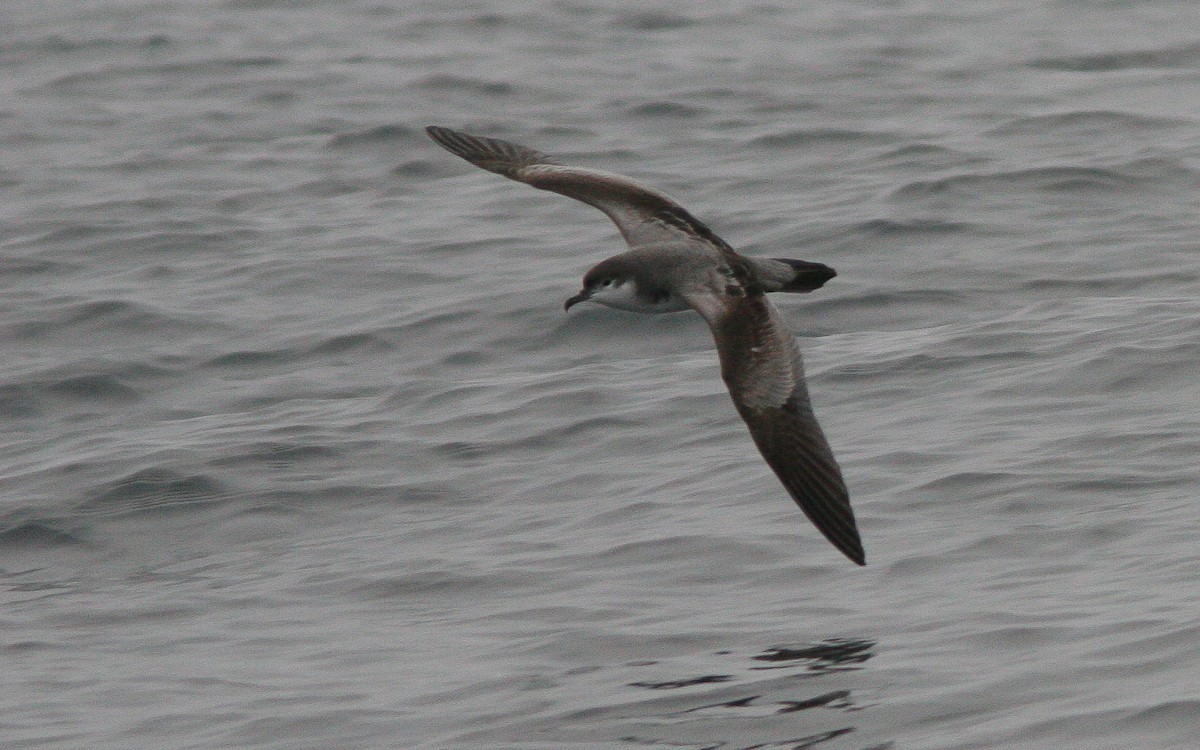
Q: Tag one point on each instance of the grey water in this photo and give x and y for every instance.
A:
(299, 449)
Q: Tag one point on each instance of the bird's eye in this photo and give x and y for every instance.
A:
(606, 282)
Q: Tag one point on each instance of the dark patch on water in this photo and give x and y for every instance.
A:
(371, 343)
(279, 455)
(1085, 122)
(911, 227)
(654, 21)
(1183, 56)
(153, 489)
(464, 452)
(822, 657)
(1061, 178)
(666, 109)
(927, 155)
(252, 358)
(389, 136)
(801, 137)
(707, 679)
(414, 168)
(101, 316)
(21, 267)
(22, 647)
(448, 82)
(35, 533)
(835, 699)
(96, 388)
(19, 401)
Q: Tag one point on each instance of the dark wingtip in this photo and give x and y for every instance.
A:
(469, 147)
(841, 531)
(451, 140)
(850, 546)
(492, 154)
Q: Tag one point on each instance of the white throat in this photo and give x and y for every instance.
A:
(623, 296)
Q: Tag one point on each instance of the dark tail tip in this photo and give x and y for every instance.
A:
(809, 275)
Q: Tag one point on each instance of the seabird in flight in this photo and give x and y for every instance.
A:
(676, 263)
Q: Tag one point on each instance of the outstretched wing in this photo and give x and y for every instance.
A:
(644, 216)
(761, 365)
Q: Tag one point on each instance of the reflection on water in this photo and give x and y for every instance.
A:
(671, 684)
(804, 698)
(745, 710)
(835, 653)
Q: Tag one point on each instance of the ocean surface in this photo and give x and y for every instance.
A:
(300, 450)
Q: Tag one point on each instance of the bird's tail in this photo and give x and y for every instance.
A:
(790, 275)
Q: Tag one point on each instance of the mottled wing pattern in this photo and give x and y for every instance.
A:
(644, 216)
(760, 363)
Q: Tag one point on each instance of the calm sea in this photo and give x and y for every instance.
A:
(298, 448)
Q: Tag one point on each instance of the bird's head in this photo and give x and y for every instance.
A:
(611, 284)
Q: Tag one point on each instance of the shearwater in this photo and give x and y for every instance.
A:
(677, 263)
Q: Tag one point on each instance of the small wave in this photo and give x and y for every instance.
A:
(811, 136)
(927, 155)
(650, 552)
(110, 385)
(333, 187)
(666, 109)
(20, 401)
(466, 85)
(654, 21)
(152, 489)
(93, 388)
(34, 533)
(708, 679)
(252, 358)
(1058, 178)
(1184, 56)
(20, 267)
(469, 358)
(1084, 122)
(369, 343)
(440, 584)
(922, 364)
(105, 76)
(464, 452)
(21, 647)
(102, 317)
(1110, 285)
(415, 168)
(910, 227)
(1180, 713)
(279, 454)
(881, 299)
(382, 135)
(57, 44)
